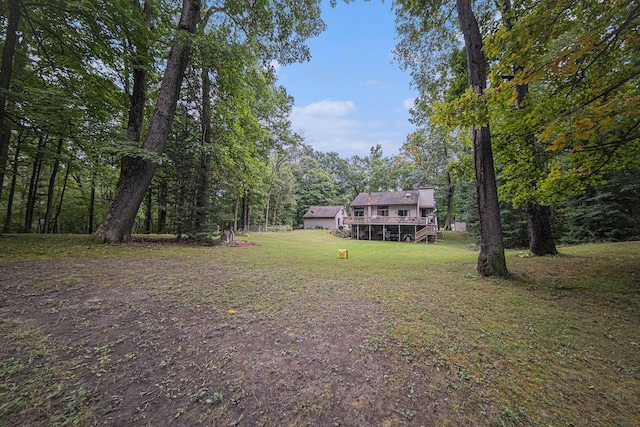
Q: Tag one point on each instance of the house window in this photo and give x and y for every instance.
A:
(383, 210)
(403, 212)
(424, 212)
(358, 211)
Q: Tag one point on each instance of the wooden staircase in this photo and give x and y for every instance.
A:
(428, 233)
(344, 233)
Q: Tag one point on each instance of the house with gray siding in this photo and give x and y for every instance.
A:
(394, 215)
(327, 217)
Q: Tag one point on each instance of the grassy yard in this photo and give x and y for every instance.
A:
(397, 334)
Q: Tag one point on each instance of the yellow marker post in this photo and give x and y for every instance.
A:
(343, 254)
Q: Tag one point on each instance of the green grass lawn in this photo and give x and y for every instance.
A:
(555, 344)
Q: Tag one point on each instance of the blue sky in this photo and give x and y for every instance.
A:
(352, 95)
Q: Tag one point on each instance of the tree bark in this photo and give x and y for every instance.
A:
(12, 188)
(162, 206)
(46, 227)
(138, 96)
(33, 185)
(540, 233)
(235, 214)
(448, 219)
(92, 203)
(54, 227)
(491, 260)
(266, 210)
(136, 172)
(148, 220)
(6, 71)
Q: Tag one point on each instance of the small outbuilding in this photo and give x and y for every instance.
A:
(327, 217)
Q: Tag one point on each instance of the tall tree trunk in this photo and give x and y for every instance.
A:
(540, 233)
(245, 212)
(59, 208)
(181, 213)
(136, 172)
(138, 96)
(541, 240)
(148, 220)
(235, 214)
(12, 188)
(266, 210)
(448, 219)
(162, 206)
(6, 71)
(276, 203)
(491, 260)
(92, 203)
(51, 189)
(202, 192)
(33, 185)
(204, 174)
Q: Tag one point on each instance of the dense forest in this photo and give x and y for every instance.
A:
(160, 116)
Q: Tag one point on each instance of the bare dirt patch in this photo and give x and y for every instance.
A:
(151, 342)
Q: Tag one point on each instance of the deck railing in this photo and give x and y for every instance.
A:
(386, 220)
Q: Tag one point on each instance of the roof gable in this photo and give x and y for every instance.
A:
(387, 198)
(323, 211)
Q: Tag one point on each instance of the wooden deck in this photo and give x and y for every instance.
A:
(384, 220)
(392, 228)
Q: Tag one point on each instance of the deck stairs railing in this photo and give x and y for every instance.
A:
(344, 233)
(423, 234)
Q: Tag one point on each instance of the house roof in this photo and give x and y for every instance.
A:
(323, 211)
(387, 198)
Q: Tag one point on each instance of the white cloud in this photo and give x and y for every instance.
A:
(328, 126)
(409, 103)
(326, 108)
(275, 65)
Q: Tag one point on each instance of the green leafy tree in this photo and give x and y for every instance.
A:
(341, 171)
(431, 152)
(605, 212)
(572, 72)
(13, 15)
(315, 187)
(137, 172)
(277, 28)
(421, 19)
(57, 92)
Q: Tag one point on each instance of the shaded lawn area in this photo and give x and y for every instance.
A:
(397, 334)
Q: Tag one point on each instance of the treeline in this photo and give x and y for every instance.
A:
(54, 189)
(166, 117)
